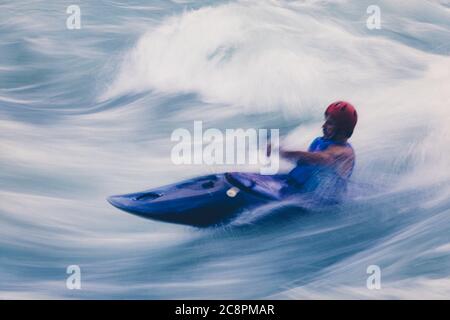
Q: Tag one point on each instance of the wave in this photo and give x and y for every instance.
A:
(87, 114)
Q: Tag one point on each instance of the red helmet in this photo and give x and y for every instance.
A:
(345, 116)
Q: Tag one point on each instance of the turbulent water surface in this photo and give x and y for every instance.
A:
(88, 113)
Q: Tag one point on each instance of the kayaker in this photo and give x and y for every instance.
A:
(328, 164)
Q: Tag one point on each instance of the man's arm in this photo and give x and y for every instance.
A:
(326, 157)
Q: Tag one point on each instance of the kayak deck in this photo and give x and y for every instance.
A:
(202, 201)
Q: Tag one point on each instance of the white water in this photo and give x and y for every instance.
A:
(85, 114)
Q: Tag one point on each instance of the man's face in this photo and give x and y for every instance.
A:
(329, 128)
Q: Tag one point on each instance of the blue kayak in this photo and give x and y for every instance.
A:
(203, 201)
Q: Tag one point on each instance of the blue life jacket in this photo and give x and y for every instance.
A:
(323, 181)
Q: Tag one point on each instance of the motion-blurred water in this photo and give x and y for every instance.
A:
(88, 113)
